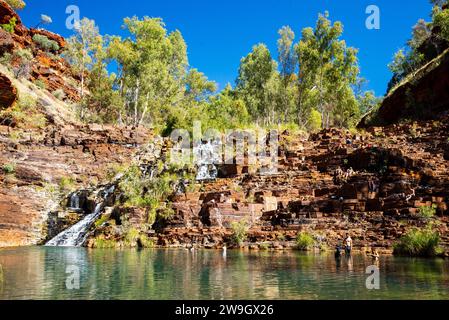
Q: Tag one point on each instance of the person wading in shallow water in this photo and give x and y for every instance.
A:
(338, 249)
(348, 244)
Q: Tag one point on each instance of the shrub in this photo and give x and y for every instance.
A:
(427, 212)
(40, 84)
(16, 4)
(44, 43)
(9, 168)
(305, 241)
(131, 237)
(9, 27)
(22, 67)
(103, 219)
(59, 94)
(101, 243)
(66, 184)
(145, 242)
(239, 232)
(418, 243)
(315, 122)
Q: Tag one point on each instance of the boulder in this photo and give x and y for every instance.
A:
(6, 42)
(8, 93)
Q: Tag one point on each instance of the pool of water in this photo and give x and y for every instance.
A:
(55, 273)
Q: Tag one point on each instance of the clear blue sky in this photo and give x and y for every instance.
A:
(220, 32)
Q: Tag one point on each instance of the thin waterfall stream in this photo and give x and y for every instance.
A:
(76, 235)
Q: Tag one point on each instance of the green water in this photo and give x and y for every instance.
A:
(40, 273)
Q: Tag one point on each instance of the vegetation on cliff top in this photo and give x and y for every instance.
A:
(155, 86)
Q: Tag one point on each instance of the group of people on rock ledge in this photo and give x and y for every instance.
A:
(346, 247)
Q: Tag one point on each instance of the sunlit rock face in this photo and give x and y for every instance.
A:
(81, 153)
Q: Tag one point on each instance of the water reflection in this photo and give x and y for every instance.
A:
(40, 273)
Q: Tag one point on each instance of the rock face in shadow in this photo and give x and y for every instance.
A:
(8, 93)
(424, 97)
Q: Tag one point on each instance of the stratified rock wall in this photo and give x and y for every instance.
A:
(8, 93)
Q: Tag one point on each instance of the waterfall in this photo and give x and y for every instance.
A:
(76, 235)
(74, 201)
(207, 155)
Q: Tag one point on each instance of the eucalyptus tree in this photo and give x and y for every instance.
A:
(80, 49)
(152, 68)
(256, 74)
(327, 71)
(288, 63)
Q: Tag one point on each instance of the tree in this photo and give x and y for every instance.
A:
(441, 19)
(255, 73)
(79, 50)
(227, 111)
(155, 82)
(288, 64)
(44, 20)
(327, 70)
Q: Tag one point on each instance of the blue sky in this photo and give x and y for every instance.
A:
(219, 33)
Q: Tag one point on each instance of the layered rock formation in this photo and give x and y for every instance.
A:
(371, 185)
(8, 93)
(51, 69)
(48, 164)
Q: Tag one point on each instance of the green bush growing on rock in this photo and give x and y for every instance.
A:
(418, 243)
(239, 232)
(8, 168)
(101, 243)
(59, 94)
(305, 241)
(40, 84)
(131, 238)
(145, 242)
(44, 43)
(11, 26)
(66, 184)
(427, 212)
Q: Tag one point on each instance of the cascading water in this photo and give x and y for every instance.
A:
(207, 156)
(74, 201)
(76, 235)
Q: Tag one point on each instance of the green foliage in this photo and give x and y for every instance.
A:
(16, 4)
(101, 242)
(9, 168)
(66, 184)
(103, 219)
(256, 74)
(239, 232)
(145, 242)
(131, 237)
(45, 44)
(59, 94)
(427, 212)
(40, 84)
(10, 27)
(441, 19)
(305, 241)
(418, 243)
(19, 62)
(328, 70)
(315, 121)
(24, 113)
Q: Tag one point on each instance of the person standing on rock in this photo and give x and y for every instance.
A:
(348, 244)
